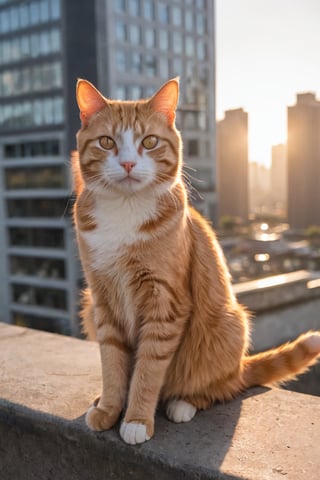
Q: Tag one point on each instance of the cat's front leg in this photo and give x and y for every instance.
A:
(115, 358)
(157, 345)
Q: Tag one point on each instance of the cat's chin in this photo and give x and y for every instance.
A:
(130, 185)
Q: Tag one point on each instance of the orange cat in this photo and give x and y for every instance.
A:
(159, 298)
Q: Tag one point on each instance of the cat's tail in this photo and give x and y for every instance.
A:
(282, 363)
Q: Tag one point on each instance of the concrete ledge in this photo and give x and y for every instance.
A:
(277, 291)
(48, 381)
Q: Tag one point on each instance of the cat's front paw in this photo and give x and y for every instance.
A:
(133, 433)
(179, 411)
(99, 420)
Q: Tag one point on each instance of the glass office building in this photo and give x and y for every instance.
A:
(125, 47)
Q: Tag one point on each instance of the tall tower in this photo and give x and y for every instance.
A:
(127, 48)
(304, 162)
(232, 164)
(278, 191)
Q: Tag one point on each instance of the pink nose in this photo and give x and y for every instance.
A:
(128, 166)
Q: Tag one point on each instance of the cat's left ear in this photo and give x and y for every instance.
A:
(90, 100)
(165, 100)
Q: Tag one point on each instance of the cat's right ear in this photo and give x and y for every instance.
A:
(89, 99)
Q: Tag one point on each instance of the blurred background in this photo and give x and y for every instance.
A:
(249, 115)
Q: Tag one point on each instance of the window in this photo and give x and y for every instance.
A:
(41, 323)
(189, 46)
(136, 92)
(32, 149)
(163, 40)
(46, 111)
(121, 31)
(136, 62)
(120, 5)
(163, 67)
(193, 147)
(176, 16)
(45, 297)
(148, 9)
(177, 42)
(35, 177)
(37, 237)
(37, 267)
(121, 61)
(34, 13)
(135, 35)
(150, 65)
(134, 8)
(55, 9)
(36, 207)
(24, 15)
(120, 92)
(150, 37)
(44, 10)
(200, 24)
(188, 20)
(163, 13)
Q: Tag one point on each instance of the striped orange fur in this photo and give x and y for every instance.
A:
(159, 298)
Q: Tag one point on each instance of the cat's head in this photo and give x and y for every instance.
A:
(127, 146)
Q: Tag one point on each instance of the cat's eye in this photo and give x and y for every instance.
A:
(107, 143)
(150, 142)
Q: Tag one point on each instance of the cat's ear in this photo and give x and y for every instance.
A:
(165, 100)
(90, 100)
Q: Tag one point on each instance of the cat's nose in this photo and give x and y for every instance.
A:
(128, 166)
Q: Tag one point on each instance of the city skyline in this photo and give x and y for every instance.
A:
(267, 52)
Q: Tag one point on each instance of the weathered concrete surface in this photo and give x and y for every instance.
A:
(48, 381)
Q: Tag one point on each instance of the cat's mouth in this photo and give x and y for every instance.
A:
(129, 183)
(129, 180)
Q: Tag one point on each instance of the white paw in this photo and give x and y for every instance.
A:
(133, 433)
(180, 411)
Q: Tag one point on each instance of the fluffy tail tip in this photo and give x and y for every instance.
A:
(312, 342)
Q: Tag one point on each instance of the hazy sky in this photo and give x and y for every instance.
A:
(267, 51)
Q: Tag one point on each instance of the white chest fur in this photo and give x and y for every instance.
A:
(118, 221)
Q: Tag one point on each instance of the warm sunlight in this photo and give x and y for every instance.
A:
(263, 76)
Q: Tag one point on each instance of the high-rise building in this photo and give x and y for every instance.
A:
(127, 48)
(232, 164)
(278, 193)
(259, 189)
(304, 162)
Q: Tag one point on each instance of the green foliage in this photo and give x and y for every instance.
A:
(313, 233)
(227, 223)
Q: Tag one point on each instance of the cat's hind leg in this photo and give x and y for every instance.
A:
(179, 411)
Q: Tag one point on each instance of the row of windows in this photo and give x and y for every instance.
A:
(34, 45)
(35, 177)
(151, 65)
(37, 208)
(45, 111)
(28, 14)
(37, 267)
(37, 78)
(41, 148)
(44, 297)
(178, 42)
(47, 324)
(147, 10)
(36, 237)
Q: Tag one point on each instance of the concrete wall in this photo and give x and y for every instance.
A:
(48, 381)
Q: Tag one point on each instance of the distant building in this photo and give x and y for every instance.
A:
(232, 164)
(304, 162)
(259, 188)
(127, 48)
(278, 191)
